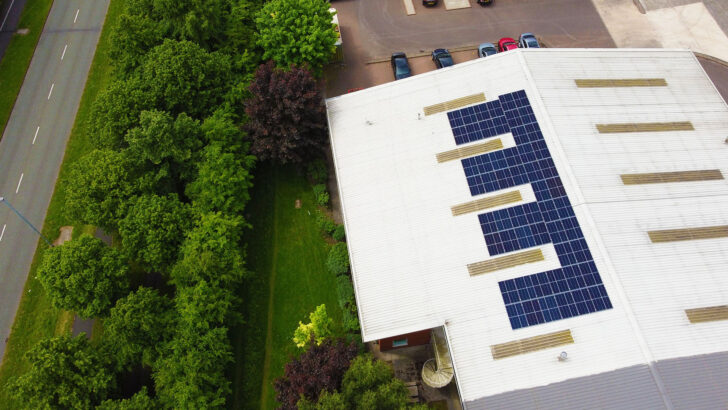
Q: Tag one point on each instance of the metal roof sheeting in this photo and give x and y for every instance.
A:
(409, 254)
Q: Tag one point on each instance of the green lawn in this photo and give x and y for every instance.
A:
(18, 55)
(36, 318)
(287, 255)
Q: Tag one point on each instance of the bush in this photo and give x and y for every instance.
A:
(322, 196)
(325, 224)
(317, 172)
(339, 234)
(347, 302)
(338, 260)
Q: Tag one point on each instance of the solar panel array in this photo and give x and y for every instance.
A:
(574, 289)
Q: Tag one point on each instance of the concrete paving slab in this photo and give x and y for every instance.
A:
(409, 7)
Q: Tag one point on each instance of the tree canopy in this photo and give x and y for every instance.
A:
(153, 229)
(97, 188)
(319, 368)
(138, 326)
(65, 372)
(287, 117)
(297, 32)
(84, 275)
(319, 328)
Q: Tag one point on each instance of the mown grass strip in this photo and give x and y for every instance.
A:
(18, 55)
(36, 318)
(285, 244)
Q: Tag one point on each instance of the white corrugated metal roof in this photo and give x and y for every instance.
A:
(409, 253)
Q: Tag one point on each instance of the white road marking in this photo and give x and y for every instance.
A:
(36, 134)
(6, 15)
(51, 91)
(76, 18)
(64, 52)
(3, 232)
(21, 180)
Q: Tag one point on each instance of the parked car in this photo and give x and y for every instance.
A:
(429, 2)
(486, 49)
(485, 2)
(400, 66)
(528, 40)
(442, 58)
(507, 43)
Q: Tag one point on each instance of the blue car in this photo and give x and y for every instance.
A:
(442, 58)
(400, 66)
(528, 40)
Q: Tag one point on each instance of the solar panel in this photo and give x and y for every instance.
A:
(572, 290)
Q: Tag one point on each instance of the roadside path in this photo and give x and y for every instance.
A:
(10, 12)
(34, 142)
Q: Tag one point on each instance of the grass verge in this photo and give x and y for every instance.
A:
(36, 318)
(287, 254)
(18, 55)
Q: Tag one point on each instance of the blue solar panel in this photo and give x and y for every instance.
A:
(574, 289)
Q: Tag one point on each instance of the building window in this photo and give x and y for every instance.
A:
(399, 342)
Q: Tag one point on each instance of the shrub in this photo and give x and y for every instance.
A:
(347, 302)
(339, 234)
(319, 328)
(322, 196)
(338, 260)
(325, 223)
(317, 171)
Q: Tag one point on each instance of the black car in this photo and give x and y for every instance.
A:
(429, 2)
(400, 66)
(442, 58)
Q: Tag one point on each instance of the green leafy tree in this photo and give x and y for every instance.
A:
(153, 229)
(212, 252)
(84, 275)
(131, 38)
(223, 181)
(338, 260)
(192, 374)
(368, 385)
(116, 110)
(97, 189)
(138, 326)
(64, 373)
(287, 117)
(220, 129)
(297, 32)
(180, 76)
(139, 401)
(164, 145)
(319, 328)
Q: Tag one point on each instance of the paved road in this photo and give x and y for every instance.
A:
(35, 138)
(10, 11)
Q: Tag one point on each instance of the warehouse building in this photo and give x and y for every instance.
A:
(558, 218)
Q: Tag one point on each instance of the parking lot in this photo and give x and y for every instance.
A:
(371, 30)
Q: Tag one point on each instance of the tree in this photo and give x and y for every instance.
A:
(180, 76)
(116, 110)
(139, 401)
(223, 181)
(65, 372)
(296, 33)
(338, 260)
(161, 141)
(131, 38)
(212, 252)
(367, 385)
(192, 374)
(319, 368)
(138, 326)
(220, 129)
(153, 229)
(84, 275)
(319, 328)
(97, 188)
(287, 118)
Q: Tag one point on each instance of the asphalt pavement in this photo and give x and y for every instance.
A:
(34, 142)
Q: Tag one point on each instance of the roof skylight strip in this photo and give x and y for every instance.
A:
(531, 344)
(645, 127)
(454, 104)
(665, 177)
(504, 262)
(623, 82)
(707, 314)
(689, 234)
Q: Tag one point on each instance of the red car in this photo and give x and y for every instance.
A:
(507, 43)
